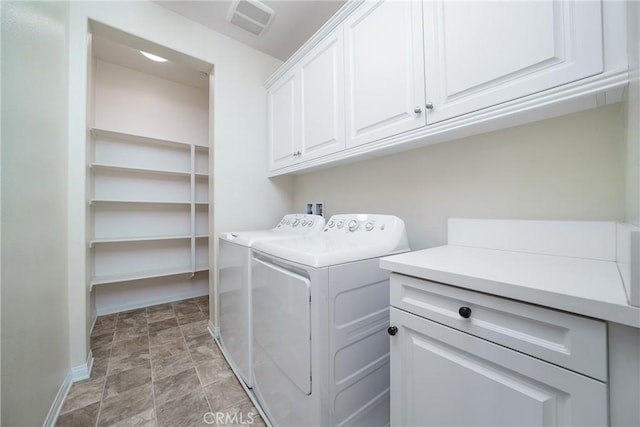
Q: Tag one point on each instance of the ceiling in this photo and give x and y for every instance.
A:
(130, 57)
(295, 21)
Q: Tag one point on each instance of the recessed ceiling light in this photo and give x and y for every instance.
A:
(153, 57)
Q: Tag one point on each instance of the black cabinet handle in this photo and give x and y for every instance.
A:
(392, 330)
(464, 312)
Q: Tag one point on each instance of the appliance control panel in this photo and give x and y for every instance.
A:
(363, 223)
(300, 224)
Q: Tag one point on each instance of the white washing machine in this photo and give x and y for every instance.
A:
(320, 313)
(234, 285)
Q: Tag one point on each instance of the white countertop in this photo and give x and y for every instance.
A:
(587, 287)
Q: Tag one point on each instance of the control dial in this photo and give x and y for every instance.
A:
(369, 226)
(331, 224)
(296, 222)
(353, 225)
(340, 224)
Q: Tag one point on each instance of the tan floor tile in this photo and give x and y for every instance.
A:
(123, 363)
(193, 330)
(159, 307)
(82, 417)
(225, 393)
(185, 307)
(186, 411)
(143, 419)
(132, 320)
(157, 316)
(206, 351)
(175, 386)
(82, 394)
(166, 335)
(163, 324)
(126, 380)
(103, 341)
(185, 319)
(173, 346)
(99, 368)
(213, 371)
(126, 405)
(167, 363)
(103, 329)
(130, 332)
(130, 346)
(132, 313)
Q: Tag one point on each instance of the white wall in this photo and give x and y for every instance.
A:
(570, 167)
(133, 102)
(241, 193)
(633, 115)
(35, 337)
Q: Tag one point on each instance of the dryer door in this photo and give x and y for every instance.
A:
(282, 321)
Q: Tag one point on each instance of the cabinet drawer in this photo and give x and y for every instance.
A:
(574, 342)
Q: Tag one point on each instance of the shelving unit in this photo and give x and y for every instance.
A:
(148, 207)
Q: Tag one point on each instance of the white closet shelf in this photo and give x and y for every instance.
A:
(103, 166)
(202, 236)
(138, 239)
(156, 202)
(146, 274)
(202, 267)
(122, 136)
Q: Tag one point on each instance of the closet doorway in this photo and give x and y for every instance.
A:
(148, 182)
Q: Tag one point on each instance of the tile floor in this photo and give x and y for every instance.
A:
(157, 366)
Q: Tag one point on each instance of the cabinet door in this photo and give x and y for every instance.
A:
(385, 70)
(482, 53)
(321, 81)
(282, 107)
(444, 377)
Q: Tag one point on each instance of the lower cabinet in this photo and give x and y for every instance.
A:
(442, 376)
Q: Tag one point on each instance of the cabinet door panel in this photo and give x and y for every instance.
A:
(322, 99)
(441, 376)
(385, 70)
(282, 122)
(483, 53)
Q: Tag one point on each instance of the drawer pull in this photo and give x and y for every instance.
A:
(392, 330)
(464, 312)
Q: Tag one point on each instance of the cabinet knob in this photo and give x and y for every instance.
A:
(464, 312)
(392, 330)
(429, 105)
(417, 110)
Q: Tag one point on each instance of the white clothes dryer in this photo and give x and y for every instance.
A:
(234, 285)
(321, 312)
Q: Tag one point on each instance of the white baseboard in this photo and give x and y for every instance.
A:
(82, 372)
(56, 407)
(214, 330)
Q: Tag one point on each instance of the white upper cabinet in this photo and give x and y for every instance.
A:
(385, 70)
(306, 106)
(483, 53)
(387, 75)
(321, 76)
(282, 121)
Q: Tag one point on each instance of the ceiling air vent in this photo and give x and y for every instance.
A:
(250, 15)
